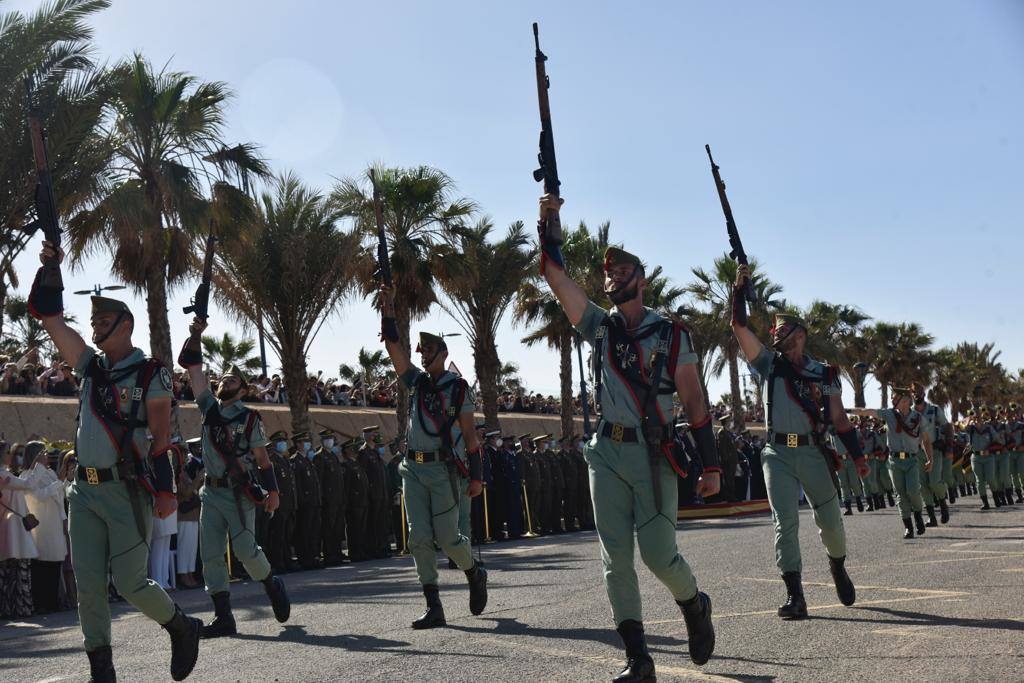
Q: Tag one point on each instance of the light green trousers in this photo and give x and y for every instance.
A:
(906, 483)
(433, 515)
(786, 470)
(884, 478)
(871, 484)
(948, 477)
(984, 467)
(1017, 471)
(218, 521)
(105, 542)
(1003, 470)
(622, 491)
(849, 482)
(933, 489)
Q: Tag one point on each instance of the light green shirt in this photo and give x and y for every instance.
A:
(212, 459)
(618, 402)
(93, 445)
(786, 415)
(429, 412)
(898, 439)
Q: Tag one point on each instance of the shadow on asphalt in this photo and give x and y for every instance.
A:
(908, 618)
(350, 642)
(511, 626)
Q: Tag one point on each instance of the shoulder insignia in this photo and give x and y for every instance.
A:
(165, 379)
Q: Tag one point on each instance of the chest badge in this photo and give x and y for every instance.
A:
(123, 394)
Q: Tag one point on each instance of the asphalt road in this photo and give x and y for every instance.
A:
(945, 607)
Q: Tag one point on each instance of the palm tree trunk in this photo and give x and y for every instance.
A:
(859, 400)
(402, 321)
(885, 394)
(156, 307)
(565, 375)
(293, 365)
(486, 362)
(738, 420)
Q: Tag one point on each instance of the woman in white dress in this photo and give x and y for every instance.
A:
(16, 545)
(46, 501)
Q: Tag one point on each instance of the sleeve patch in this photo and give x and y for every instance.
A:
(165, 379)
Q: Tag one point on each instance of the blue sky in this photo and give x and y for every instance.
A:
(873, 151)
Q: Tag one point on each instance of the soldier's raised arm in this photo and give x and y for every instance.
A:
(389, 331)
(191, 356)
(569, 294)
(748, 341)
(47, 304)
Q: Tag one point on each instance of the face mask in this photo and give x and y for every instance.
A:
(580, 445)
(307, 446)
(328, 443)
(19, 460)
(499, 443)
(381, 449)
(281, 446)
(335, 450)
(310, 454)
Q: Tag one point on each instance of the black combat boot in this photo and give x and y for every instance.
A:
(892, 501)
(700, 633)
(849, 511)
(963, 489)
(477, 589)
(984, 503)
(951, 494)
(871, 503)
(223, 623)
(274, 586)
(997, 497)
(909, 528)
(796, 606)
(844, 586)
(434, 616)
(931, 515)
(101, 666)
(1020, 498)
(185, 632)
(1008, 496)
(860, 504)
(973, 489)
(919, 523)
(639, 665)
(943, 511)
(880, 502)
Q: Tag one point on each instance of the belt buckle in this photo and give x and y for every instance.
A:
(618, 433)
(419, 457)
(792, 440)
(91, 475)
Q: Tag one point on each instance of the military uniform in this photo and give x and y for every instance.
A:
(869, 446)
(850, 485)
(532, 481)
(570, 499)
(1004, 458)
(933, 485)
(379, 503)
(306, 537)
(512, 470)
(111, 499)
(1016, 446)
(983, 436)
(357, 503)
(729, 458)
(282, 524)
(332, 510)
(904, 437)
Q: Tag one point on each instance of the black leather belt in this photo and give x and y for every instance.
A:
(901, 455)
(421, 457)
(95, 475)
(790, 440)
(619, 433)
(218, 483)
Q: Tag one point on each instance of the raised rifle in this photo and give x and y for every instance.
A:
(383, 260)
(548, 170)
(737, 253)
(201, 301)
(45, 203)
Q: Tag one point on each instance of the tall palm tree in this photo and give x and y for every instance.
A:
(166, 128)
(480, 279)
(418, 206)
(26, 332)
(712, 296)
(903, 355)
(370, 367)
(52, 49)
(290, 266)
(227, 351)
(836, 336)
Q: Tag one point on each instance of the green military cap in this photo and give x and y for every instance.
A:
(325, 432)
(616, 256)
(102, 304)
(523, 436)
(279, 435)
(539, 439)
(300, 436)
(901, 391)
(235, 371)
(428, 338)
(353, 442)
(790, 319)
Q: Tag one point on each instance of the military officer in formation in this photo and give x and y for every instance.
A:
(239, 476)
(357, 502)
(371, 459)
(630, 460)
(112, 501)
(282, 523)
(331, 471)
(306, 537)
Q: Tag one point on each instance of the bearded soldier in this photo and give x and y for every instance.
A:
(233, 440)
(433, 471)
(121, 482)
(640, 360)
(802, 399)
(907, 437)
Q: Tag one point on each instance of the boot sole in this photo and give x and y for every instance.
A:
(434, 624)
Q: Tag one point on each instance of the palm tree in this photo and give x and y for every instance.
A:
(290, 266)
(370, 369)
(26, 332)
(712, 294)
(227, 351)
(418, 208)
(480, 279)
(52, 49)
(166, 130)
(903, 355)
(836, 336)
